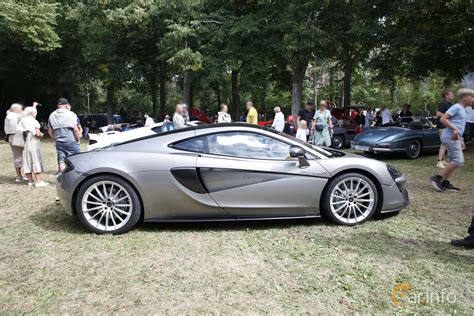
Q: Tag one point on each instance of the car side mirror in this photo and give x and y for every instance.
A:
(299, 152)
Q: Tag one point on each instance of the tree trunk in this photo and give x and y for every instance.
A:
(218, 95)
(187, 96)
(347, 77)
(299, 70)
(235, 94)
(163, 89)
(154, 97)
(110, 102)
(393, 94)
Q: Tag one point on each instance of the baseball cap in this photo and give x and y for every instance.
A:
(62, 101)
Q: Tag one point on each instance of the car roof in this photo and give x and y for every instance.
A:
(193, 128)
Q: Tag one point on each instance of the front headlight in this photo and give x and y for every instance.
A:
(394, 172)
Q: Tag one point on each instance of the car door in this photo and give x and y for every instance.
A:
(250, 174)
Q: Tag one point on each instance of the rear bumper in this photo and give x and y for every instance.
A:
(65, 187)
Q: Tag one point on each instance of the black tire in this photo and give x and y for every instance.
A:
(413, 150)
(337, 142)
(328, 191)
(135, 208)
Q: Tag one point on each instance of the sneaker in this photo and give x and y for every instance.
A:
(437, 183)
(41, 184)
(441, 164)
(31, 184)
(20, 179)
(466, 242)
(448, 186)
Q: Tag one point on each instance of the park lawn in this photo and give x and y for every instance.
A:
(49, 264)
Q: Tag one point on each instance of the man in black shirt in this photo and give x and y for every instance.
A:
(359, 119)
(405, 112)
(442, 108)
(306, 114)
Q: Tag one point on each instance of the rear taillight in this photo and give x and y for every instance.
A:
(69, 166)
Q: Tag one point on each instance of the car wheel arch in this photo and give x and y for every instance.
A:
(366, 173)
(78, 187)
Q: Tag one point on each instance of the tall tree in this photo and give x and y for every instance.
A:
(294, 33)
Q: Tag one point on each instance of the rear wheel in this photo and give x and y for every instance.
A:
(350, 199)
(413, 150)
(108, 205)
(337, 141)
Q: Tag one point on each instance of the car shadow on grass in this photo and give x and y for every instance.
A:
(228, 225)
(53, 218)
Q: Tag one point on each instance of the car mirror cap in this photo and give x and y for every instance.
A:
(297, 151)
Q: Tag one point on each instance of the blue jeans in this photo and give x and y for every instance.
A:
(66, 149)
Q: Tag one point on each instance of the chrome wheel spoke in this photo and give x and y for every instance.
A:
(94, 208)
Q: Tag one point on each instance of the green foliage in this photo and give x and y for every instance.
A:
(139, 52)
(30, 23)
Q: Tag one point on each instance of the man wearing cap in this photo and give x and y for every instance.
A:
(64, 130)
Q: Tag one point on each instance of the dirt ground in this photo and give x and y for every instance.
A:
(49, 264)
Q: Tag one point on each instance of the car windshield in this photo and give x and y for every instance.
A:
(413, 122)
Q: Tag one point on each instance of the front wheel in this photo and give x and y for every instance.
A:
(108, 205)
(350, 199)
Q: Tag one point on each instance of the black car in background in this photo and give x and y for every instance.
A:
(410, 136)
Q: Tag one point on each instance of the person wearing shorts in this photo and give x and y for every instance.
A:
(63, 129)
(455, 120)
(447, 96)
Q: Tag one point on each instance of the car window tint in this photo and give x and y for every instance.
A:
(247, 145)
(195, 144)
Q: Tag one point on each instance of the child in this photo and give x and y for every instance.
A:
(303, 131)
(32, 157)
(455, 120)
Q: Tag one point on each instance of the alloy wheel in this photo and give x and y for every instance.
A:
(352, 200)
(107, 205)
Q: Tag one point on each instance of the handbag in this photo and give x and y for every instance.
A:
(18, 140)
(319, 127)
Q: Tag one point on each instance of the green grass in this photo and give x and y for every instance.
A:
(49, 264)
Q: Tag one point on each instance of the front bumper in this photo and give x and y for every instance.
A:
(374, 149)
(395, 196)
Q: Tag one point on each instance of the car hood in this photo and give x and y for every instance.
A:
(382, 134)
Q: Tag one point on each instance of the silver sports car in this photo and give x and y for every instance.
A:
(224, 172)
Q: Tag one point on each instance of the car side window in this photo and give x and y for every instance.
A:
(195, 144)
(247, 145)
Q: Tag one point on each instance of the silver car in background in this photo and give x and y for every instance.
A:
(224, 172)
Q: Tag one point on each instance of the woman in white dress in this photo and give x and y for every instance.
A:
(33, 164)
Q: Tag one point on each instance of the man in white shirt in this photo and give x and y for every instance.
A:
(278, 120)
(149, 120)
(178, 118)
(469, 124)
(386, 117)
